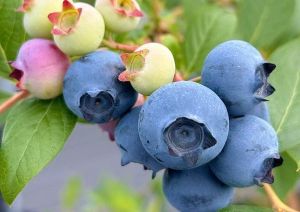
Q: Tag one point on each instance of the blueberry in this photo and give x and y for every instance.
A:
(196, 190)
(236, 71)
(131, 147)
(261, 110)
(92, 89)
(250, 153)
(183, 125)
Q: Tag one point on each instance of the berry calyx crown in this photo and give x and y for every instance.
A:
(127, 8)
(26, 5)
(134, 63)
(64, 22)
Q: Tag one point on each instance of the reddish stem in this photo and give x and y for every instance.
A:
(13, 100)
(119, 46)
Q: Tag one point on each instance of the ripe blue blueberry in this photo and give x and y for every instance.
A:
(92, 89)
(250, 153)
(129, 142)
(196, 190)
(183, 125)
(261, 110)
(236, 71)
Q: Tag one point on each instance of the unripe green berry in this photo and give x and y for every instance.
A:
(35, 20)
(78, 29)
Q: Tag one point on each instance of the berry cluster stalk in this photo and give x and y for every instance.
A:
(119, 46)
(277, 204)
(13, 100)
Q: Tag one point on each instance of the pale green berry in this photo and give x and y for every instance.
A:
(35, 21)
(78, 29)
(151, 66)
(120, 15)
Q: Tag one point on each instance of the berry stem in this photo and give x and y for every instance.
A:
(196, 79)
(278, 205)
(119, 46)
(13, 100)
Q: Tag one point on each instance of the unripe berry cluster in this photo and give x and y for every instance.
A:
(209, 137)
(75, 28)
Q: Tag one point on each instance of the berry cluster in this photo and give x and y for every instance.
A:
(209, 138)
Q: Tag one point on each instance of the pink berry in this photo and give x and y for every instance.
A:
(40, 68)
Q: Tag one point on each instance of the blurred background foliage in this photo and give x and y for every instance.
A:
(191, 28)
(112, 195)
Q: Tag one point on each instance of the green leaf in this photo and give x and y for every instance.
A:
(11, 23)
(3, 96)
(35, 132)
(206, 27)
(285, 102)
(262, 23)
(285, 110)
(4, 67)
(285, 176)
(295, 154)
(245, 208)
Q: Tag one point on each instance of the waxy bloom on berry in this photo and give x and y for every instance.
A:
(40, 68)
(35, 21)
(120, 15)
(78, 29)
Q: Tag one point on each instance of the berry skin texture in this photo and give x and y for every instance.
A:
(238, 74)
(40, 68)
(129, 142)
(196, 190)
(183, 125)
(78, 29)
(120, 15)
(250, 153)
(262, 111)
(92, 89)
(151, 66)
(35, 20)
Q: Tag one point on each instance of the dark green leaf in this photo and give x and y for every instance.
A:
(206, 26)
(245, 208)
(12, 34)
(285, 102)
(35, 132)
(285, 176)
(263, 22)
(11, 23)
